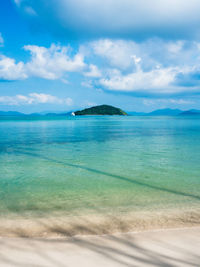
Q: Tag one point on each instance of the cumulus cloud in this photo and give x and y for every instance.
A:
(48, 63)
(154, 81)
(167, 18)
(10, 70)
(152, 66)
(93, 72)
(51, 63)
(118, 53)
(34, 98)
(121, 53)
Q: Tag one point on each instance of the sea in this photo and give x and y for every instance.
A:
(98, 164)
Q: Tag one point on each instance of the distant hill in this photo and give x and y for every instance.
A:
(105, 110)
(165, 112)
(58, 114)
(192, 112)
(101, 110)
(134, 113)
(43, 114)
(11, 113)
(55, 113)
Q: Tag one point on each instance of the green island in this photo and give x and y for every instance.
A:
(101, 110)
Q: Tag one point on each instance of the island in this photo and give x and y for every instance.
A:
(101, 110)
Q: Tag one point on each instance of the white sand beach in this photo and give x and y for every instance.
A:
(175, 247)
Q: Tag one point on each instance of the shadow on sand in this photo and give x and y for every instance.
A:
(109, 250)
(143, 249)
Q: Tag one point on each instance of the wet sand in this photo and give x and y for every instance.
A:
(59, 226)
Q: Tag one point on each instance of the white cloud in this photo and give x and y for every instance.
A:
(121, 54)
(119, 17)
(93, 72)
(34, 98)
(175, 47)
(117, 52)
(48, 63)
(154, 81)
(10, 70)
(51, 63)
(181, 101)
(153, 66)
(87, 84)
(152, 102)
(65, 81)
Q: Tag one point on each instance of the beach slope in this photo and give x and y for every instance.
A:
(177, 247)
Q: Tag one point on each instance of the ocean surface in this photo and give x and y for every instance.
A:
(96, 164)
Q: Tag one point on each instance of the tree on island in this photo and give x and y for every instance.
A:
(101, 110)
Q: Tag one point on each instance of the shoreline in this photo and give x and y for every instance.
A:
(97, 225)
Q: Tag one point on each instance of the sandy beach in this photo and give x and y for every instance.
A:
(175, 247)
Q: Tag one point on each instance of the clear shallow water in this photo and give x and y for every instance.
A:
(98, 164)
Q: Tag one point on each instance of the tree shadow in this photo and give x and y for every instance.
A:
(115, 250)
(115, 176)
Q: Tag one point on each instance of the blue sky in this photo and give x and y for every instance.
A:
(61, 55)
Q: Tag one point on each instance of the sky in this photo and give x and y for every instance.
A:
(64, 55)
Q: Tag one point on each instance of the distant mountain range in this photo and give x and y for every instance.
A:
(192, 112)
(167, 112)
(159, 112)
(19, 114)
(11, 113)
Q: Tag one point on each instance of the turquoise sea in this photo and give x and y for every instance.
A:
(75, 165)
